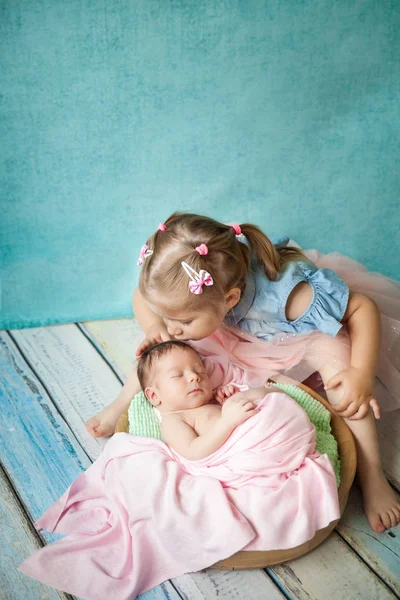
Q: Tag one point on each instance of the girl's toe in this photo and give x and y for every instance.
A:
(386, 519)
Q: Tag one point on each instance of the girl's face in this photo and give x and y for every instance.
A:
(190, 325)
(185, 325)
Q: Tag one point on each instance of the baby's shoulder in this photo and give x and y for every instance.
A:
(172, 424)
(171, 420)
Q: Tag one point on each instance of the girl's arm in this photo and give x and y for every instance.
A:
(227, 378)
(363, 324)
(153, 326)
(364, 328)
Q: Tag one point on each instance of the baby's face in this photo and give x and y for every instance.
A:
(179, 381)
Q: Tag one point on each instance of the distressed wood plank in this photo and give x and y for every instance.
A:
(234, 585)
(17, 542)
(74, 374)
(308, 578)
(109, 336)
(164, 591)
(37, 448)
(344, 566)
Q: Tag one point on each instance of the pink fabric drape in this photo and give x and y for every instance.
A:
(142, 514)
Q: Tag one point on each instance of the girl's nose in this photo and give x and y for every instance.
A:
(174, 329)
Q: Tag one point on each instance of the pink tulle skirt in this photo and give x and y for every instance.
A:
(298, 356)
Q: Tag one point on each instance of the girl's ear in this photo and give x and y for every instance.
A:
(152, 396)
(232, 297)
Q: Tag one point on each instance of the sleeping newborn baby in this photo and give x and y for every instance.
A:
(175, 381)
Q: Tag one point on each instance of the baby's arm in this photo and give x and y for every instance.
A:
(178, 434)
(363, 324)
(226, 391)
(153, 326)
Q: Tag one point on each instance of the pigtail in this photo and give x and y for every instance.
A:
(272, 259)
(263, 249)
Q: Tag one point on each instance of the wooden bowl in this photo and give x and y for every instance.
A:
(253, 559)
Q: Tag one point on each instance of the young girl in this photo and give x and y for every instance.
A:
(270, 310)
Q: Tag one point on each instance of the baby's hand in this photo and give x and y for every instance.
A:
(224, 392)
(358, 395)
(237, 409)
(154, 335)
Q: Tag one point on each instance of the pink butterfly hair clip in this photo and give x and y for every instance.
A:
(197, 279)
(144, 253)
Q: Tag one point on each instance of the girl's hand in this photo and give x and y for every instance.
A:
(154, 335)
(358, 388)
(237, 409)
(224, 392)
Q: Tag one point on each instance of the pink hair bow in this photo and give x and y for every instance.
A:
(197, 279)
(144, 253)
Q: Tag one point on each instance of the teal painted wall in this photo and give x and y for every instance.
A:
(115, 113)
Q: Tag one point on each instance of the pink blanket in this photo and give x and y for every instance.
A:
(142, 514)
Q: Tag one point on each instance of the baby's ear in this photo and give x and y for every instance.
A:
(152, 396)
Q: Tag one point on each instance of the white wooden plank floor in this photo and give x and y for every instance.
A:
(52, 379)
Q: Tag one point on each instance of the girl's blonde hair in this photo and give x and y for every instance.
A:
(163, 279)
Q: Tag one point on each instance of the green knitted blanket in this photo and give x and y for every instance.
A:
(143, 421)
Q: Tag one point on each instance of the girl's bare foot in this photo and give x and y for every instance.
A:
(103, 424)
(381, 504)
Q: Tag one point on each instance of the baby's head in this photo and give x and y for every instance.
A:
(193, 272)
(173, 377)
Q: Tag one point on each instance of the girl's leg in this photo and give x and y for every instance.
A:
(380, 503)
(105, 421)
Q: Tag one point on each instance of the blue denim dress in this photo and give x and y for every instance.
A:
(261, 310)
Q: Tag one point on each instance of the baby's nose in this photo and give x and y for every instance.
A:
(194, 376)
